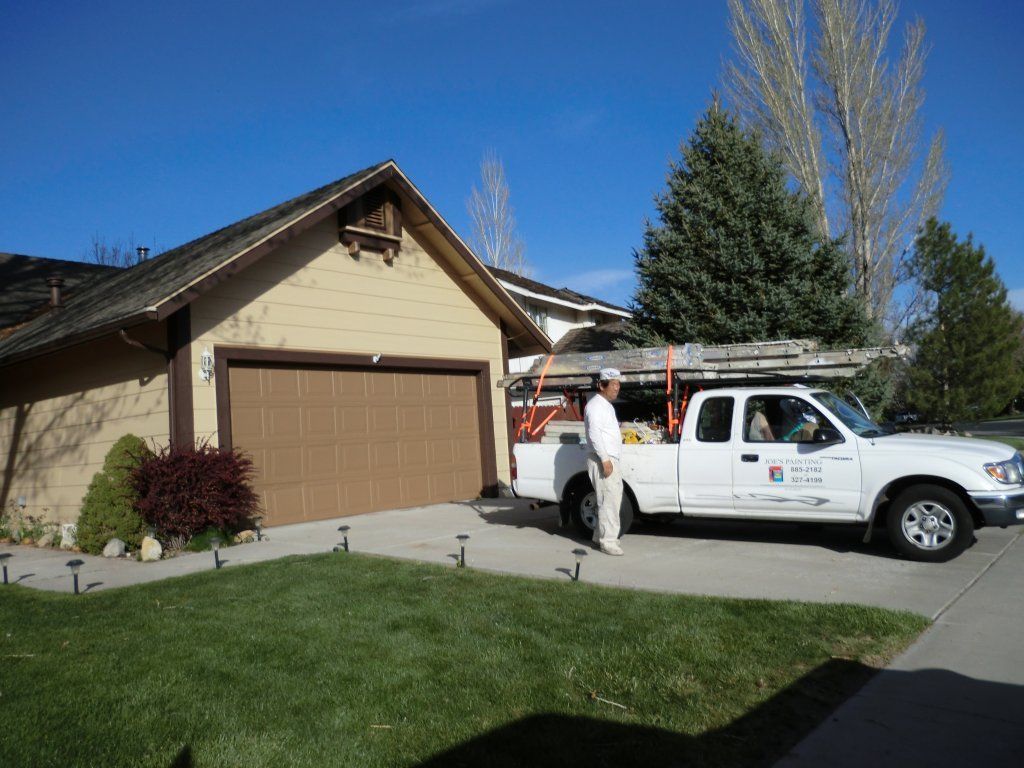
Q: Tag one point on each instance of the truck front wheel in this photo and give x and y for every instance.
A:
(930, 523)
(581, 500)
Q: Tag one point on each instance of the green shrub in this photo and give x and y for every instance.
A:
(109, 506)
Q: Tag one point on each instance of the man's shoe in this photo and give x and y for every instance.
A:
(612, 549)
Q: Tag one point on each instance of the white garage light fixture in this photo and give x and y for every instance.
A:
(206, 365)
(463, 538)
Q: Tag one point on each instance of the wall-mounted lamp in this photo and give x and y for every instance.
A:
(21, 502)
(206, 365)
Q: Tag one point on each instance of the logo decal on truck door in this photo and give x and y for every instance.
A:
(775, 473)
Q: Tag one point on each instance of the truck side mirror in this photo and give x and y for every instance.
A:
(827, 436)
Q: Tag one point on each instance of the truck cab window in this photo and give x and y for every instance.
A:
(715, 423)
(781, 419)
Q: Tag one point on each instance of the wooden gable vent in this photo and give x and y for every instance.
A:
(373, 222)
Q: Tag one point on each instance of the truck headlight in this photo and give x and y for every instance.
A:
(1010, 472)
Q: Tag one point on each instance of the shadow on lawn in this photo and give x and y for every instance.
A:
(768, 733)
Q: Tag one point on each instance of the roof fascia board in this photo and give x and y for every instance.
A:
(563, 302)
(538, 336)
(80, 338)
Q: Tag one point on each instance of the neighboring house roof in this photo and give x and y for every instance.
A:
(560, 295)
(25, 293)
(155, 289)
(594, 338)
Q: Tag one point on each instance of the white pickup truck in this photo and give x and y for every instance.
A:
(796, 454)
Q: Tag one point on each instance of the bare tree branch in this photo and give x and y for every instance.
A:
(494, 235)
(869, 112)
(119, 253)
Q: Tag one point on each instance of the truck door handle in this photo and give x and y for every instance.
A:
(749, 457)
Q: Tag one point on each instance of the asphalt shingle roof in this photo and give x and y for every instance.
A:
(565, 294)
(128, 293)
(24, 291)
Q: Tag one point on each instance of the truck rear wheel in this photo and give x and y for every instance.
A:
(581, 500)
(930, 523)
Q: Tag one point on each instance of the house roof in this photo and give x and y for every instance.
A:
(594, 338)
(541, 289)
(25, 293)
(154, 289)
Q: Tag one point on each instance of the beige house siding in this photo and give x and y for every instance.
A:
(311, 295)
(61, 413)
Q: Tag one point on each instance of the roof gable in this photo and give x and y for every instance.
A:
(155, 289)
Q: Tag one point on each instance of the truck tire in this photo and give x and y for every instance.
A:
(581, 499)
(930, 523)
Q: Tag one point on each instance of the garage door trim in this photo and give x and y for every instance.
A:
(224, 356)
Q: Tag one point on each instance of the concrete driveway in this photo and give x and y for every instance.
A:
(764, 560)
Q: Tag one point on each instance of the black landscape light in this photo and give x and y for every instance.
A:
(215, 546)
(4, 557)
(463, 538)
(580, 554)
(258, 525)
(343, 530)
(75, 566)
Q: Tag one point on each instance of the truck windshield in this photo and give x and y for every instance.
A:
(861, 425)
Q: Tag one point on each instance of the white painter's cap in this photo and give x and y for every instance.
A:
(610, 374)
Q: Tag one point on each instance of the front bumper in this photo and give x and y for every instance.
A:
(1000, 509)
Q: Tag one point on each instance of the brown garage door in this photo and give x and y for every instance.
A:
(329, 442)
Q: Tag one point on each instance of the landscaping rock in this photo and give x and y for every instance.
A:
(151, 550)
(115, 548)
(244, 537)
(46, 540)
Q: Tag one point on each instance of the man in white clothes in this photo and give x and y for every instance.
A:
(604, 439)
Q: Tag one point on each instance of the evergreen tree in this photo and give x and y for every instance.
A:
(967, 363)
(736, 256)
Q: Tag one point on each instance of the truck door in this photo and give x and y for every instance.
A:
(705, 457)
(780, 471)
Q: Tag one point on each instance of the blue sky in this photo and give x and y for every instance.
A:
(164, 121)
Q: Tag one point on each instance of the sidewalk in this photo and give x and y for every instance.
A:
(721, 558)
(956, 697)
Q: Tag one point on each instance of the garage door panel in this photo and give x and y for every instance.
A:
(284, 422)
(323, 501)
(465, 417)
(318, 383)
(439, 418)
(354, 422)
(355, 459)
(320, 421)
(247, 423)
(322, 460)
(282, 382)
(442, 487)
(384, 419)
(415, 456)
(284, 463)
(412, 419)
(329, 443)
(351, 384)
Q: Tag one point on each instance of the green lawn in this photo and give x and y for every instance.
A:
(361, 661)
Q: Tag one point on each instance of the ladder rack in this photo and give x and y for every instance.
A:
(793, 359)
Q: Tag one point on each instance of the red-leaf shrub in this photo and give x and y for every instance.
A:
(183, 491)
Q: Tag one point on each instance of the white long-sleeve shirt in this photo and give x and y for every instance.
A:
(603, 435)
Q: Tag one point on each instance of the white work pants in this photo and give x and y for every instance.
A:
(609, 500)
